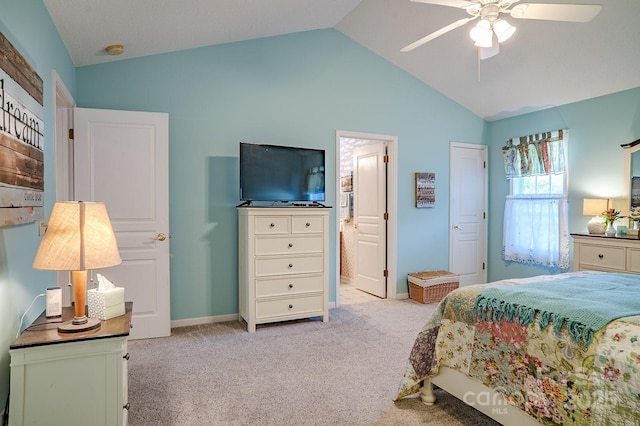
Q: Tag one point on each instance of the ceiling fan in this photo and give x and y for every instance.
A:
(492, 27)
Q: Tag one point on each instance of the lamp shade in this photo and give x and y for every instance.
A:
(481, 33)
(503, 30)
(79, 237)
(594, 206)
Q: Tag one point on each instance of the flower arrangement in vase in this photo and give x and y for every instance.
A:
(610, 216)
(634, 214)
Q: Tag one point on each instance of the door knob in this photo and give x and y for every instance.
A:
(456, 227)
(160, 237)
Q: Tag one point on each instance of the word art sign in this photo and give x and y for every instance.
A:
(21, 139)
(425, 190)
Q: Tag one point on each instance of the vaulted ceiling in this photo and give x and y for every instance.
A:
(545, 64)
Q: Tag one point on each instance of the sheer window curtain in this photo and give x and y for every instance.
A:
(536, 228)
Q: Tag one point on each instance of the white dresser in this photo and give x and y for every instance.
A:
(72, 379)
(611, 254)
(283, 264)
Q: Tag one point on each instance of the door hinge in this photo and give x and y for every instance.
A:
(385, 273)
(484, 164)
(386, 216)
(386, 159)
(484, 215)
(71, 134)
(483, 266)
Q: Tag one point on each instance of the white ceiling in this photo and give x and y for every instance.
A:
(545, 64)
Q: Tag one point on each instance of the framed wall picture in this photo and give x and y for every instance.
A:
(346, 183)
(425, 190)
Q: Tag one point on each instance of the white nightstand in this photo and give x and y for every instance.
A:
(72, 378)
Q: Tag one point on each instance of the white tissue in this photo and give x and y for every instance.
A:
(106, 301)
(104, 284)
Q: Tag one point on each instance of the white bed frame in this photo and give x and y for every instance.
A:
(475, 394)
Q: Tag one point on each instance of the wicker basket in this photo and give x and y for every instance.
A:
(431, 286)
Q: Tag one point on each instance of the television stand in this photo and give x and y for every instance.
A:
(244, 204)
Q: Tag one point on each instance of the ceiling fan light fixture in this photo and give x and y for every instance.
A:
(503, 30)
(481, 33)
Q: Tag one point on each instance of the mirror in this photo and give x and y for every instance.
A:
(635, 179)
(631, 175)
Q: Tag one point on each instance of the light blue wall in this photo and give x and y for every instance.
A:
(597, 128)
(296, 90)
(27, 25)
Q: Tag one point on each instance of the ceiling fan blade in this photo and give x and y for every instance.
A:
(556, 12)
(489, 52)
(452, 3)
(435, 34)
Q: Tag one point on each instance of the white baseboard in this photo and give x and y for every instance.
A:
(203, 320)
(210, 320)
(400, 296)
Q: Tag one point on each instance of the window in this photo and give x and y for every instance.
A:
(536, 209)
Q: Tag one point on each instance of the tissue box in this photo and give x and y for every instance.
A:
(106, 304)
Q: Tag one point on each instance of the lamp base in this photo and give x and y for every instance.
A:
(77, 325)
(596, 225)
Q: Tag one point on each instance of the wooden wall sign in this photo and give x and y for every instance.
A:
(425, 190)
(21, 139)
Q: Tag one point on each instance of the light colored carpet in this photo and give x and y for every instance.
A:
(344, 372)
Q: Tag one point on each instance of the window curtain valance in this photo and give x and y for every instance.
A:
(534, 155)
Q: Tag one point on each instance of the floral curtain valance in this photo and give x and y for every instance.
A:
(534, 155)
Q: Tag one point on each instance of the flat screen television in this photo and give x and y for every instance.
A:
(281, 173)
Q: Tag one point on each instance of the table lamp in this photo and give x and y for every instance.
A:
(79, 237)
(595, 207)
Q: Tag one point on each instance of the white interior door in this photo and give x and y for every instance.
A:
(468, 210)
(369, 208)
(121, 158)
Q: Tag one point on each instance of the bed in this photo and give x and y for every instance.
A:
(533, 371)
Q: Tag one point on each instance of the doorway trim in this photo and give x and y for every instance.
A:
(392, 207)
(63, 160)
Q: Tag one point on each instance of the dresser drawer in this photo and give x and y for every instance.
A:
(288, 245)
(306, 224)
(296, 306)
(273, 225)
(633, 260)
(288, 265)
(603, 256)
(288, 286)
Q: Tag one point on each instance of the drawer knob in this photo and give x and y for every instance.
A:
(126, 406)
(290, 285)
(307, 224)
(126, 356)
(601, 256)
(290, 306)
(272, 225)
(291, 265)
(290, 245)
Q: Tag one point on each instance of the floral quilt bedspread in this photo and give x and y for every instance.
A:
(547, 374)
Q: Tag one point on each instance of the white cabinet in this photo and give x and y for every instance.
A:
(283, 264)
(70, 379)
(592, 252)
